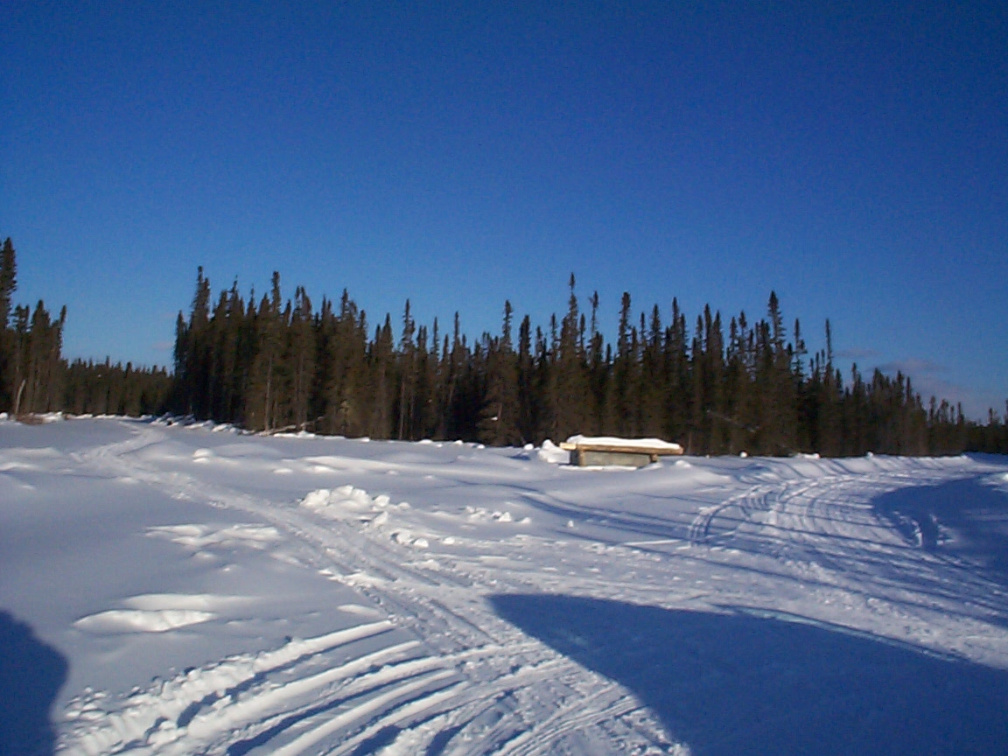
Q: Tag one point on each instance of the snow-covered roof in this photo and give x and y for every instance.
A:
(643, 444)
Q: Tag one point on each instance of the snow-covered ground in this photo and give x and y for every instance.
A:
(177, 590)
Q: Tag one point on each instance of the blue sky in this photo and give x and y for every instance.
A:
(852, 158)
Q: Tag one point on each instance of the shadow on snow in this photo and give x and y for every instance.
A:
(739, 682)
(31, 674)
(961, 518)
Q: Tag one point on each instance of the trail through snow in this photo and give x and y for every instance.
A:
(214, 592)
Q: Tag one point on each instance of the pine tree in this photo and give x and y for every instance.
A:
(624, 373)
(570, 380)
(265, 388)
(38, 364)
(18, 365)
(381, 379)
(527, 420)
(343, 345)
(654, 384)
(452, 360)
(8, 284)
(776, 386)
(698, 437)
(498, 421)
(423, 421)
(407, 375)
(301, 358)
(803, 401)
(677, 400)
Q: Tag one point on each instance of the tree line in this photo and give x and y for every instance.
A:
(284, 365)
(36, 379)
(717, 388)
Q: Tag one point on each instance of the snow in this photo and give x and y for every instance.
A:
(173, 589)
(628, 443)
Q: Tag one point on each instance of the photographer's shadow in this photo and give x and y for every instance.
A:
(31, 675)
(740, 682)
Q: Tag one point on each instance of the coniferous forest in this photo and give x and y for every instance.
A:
(35, 378)
(284, 365)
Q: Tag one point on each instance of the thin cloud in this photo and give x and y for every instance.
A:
(855, 355)
(913, 367)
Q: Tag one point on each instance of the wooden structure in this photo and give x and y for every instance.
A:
(623, 452)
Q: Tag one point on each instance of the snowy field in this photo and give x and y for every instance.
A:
(179, 590)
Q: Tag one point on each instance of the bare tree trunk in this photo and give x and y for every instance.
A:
(17, 401)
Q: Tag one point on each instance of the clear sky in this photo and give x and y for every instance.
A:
(851, 156)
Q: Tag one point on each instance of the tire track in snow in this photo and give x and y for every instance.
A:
(447, 617)
(495, 680)
(824, 529)
(365, 698)
(452, 676)
(165, 710)
(703, 530)
(580, 710)
(461, 675)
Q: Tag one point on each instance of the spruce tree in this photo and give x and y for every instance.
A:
(381, 380)
(570, 380)
(654, 380)
(407, 375)
(677, 400)
(301, 358)
(8, 281)
(8, 284)
(623, 372)
(265, 389)
(498, 420)
(776, 386)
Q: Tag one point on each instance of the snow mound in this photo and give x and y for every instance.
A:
(347, 502)
(553, 454)
(156, 613)
(141, 621)
(199, 537)
(480, 514)
(406, 538)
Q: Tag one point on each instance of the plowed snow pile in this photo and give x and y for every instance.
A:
(176, 590)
